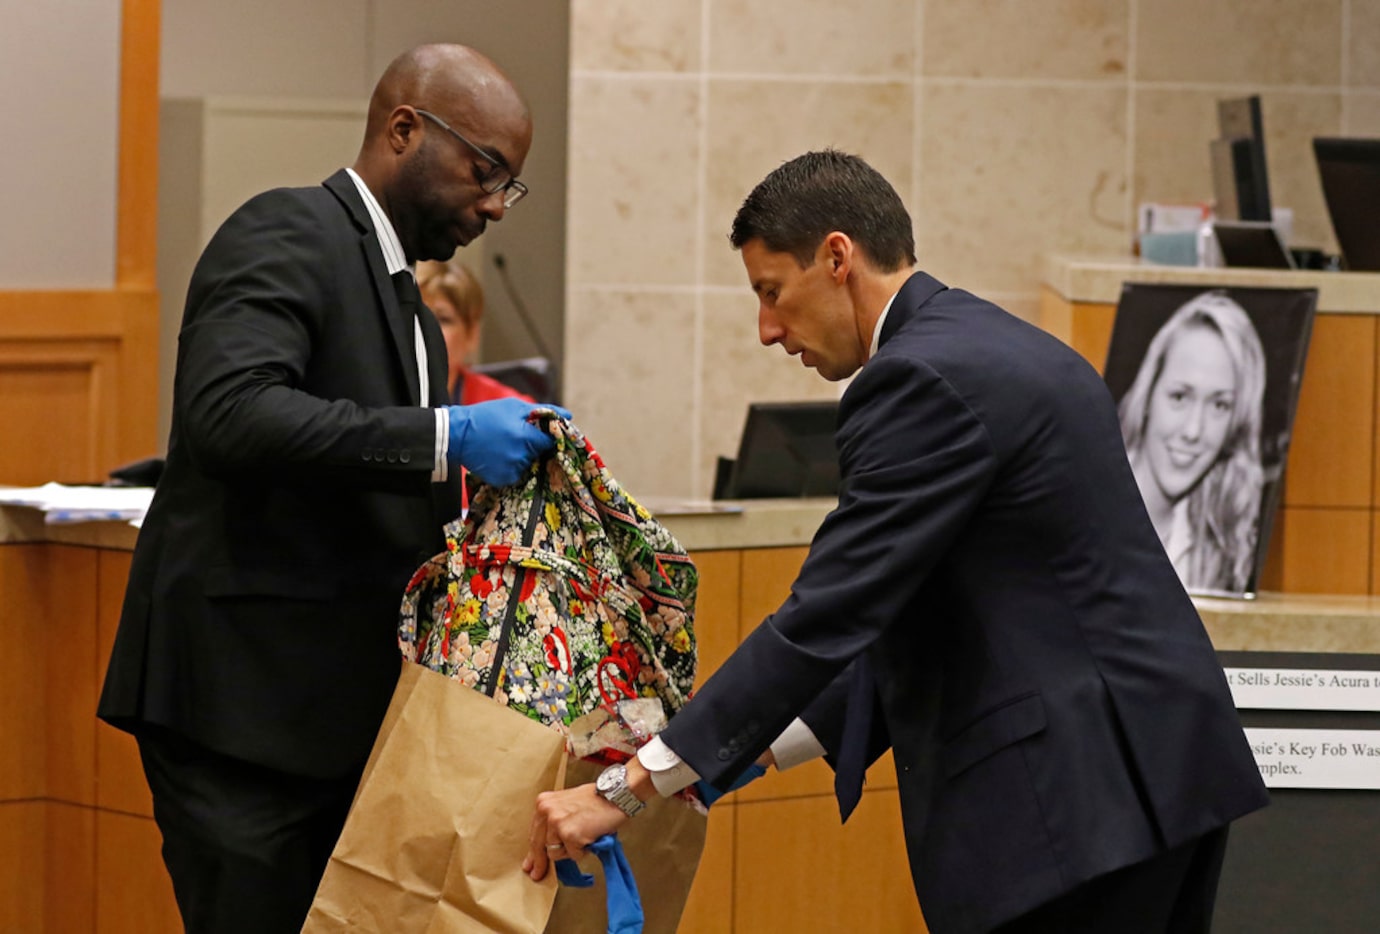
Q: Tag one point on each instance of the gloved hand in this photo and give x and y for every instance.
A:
(495, 441)
(709, 794)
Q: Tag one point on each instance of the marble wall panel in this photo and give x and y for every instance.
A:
(1009, 172)
(634, 181)
(1252, 42)
(1362, 115)
(754, 126)
(630, 382)
(1013, 39)
(632, 35)
(1363, 45)
(815, 37)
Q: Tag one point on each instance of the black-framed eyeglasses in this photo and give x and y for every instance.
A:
(498, 177)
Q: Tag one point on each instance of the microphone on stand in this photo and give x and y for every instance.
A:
(501, 264)
(540, 377)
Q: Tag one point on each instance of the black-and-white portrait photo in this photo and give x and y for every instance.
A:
(1206, 383)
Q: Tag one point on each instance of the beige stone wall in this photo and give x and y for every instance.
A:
(1010, 128)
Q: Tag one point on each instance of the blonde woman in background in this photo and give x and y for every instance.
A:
(1191, 422)
(456, 298)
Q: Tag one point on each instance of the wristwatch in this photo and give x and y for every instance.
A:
(612, 785)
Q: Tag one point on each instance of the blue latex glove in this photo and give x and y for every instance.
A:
(624, 904)
(495, 441)
(709, 794)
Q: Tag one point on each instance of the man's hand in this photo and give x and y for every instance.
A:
(565, 823)
(495, 441)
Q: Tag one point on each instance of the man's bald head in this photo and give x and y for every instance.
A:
(454, 80)
(442, 120)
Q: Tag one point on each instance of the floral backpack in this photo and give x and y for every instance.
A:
(560, 597)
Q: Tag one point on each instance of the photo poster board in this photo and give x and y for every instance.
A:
(1199, 447)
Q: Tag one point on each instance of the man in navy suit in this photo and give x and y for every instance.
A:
(313, 461)
(989, 600)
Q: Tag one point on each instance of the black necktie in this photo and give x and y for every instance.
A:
(405, 287)
(850, 768)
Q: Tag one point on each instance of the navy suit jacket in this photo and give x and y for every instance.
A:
(1054, 705)
(261, 613)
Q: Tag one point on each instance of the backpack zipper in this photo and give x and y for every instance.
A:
(505, 631)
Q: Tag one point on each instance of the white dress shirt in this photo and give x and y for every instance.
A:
(396, 261)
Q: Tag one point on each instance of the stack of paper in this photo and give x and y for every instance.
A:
(62, 503)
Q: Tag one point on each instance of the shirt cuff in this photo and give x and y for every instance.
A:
(795, 745)
(669, 773)
(438, 465)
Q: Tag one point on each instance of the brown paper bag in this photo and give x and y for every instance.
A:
(438, 829)
(663, 845)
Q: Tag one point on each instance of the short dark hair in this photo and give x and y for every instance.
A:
(803, 200)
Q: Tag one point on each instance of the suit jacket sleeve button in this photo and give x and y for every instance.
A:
(405, 457)
(725, 755)
(392, 457)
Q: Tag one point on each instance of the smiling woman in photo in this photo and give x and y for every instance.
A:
(1192, 422)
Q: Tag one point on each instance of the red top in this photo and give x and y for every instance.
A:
(476, 387)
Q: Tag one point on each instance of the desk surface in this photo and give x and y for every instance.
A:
(699, 526)
(1098, 279)
(1272, 622)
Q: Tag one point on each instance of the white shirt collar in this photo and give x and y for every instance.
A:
(877, 331)
(393, 256)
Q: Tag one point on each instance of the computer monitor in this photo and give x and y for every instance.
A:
(1240, 179)
(1254, 244)
(1350, 172)
(787, 450)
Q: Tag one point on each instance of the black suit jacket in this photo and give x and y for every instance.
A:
(1054, 704)
(260, 618)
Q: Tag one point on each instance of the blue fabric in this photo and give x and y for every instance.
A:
(568, 872)
(709, 794)
(624, 904)
(495, 441)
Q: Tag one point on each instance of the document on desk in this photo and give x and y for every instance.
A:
(62, 504)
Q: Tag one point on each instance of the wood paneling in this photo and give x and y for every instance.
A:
(70, 861)
(1375, 435)
(798, 869)
(136, 235)
(23, 832)
(1333, 440)
(768, 574)
(66, 638)
(1056, 314)
(1326, 550)
(1092, 332)
(78, 383)
(23, 732)
(1085, 327)
(709, 909)
(78, 396)
(1374, 552)
(716, 609)
(133, 892)
(120, 784)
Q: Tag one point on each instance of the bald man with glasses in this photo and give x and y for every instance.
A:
(312, 463)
